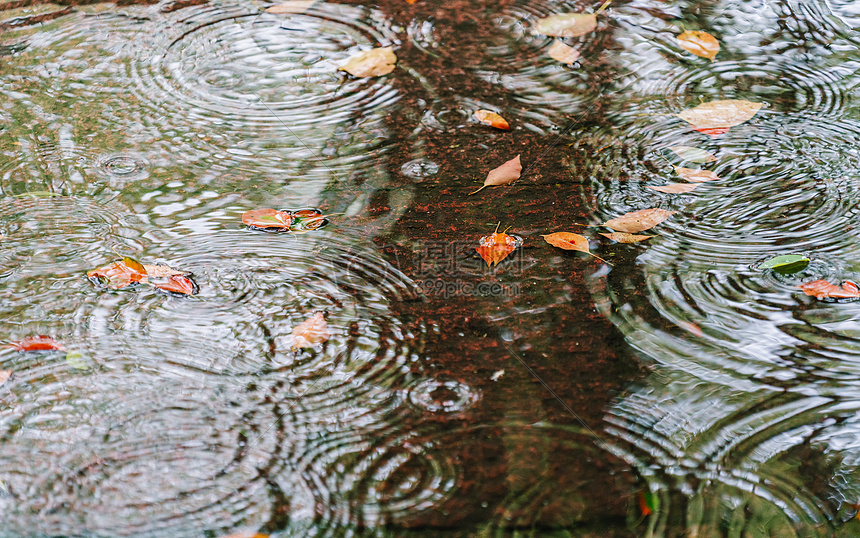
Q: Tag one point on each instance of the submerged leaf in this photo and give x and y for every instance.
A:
(37, 343)
(639, 221)
(674, 188)
(492, 119)
(786, 264)
(504, 174)
(291, 6)
(720, 114)
(701, 44)
(622, 237)
(822, 289)
(562, 53)
(695, 175)
(311, 332)
(696, 155)
(567, 24)
(371, 63)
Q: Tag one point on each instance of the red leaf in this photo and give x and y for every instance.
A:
(822, 289)
(37, 343)
(177, 284)
(496, 247)
(713, 131)
(119, 274)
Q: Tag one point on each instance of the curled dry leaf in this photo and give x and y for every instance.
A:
(291, 6)
(503, 175)
(371, 63)
(674, 188)
(37, 343)
(562, 53)
(311, 332)
(497, 246)
(701, 44)
(696, 176)
(822, 289)
(720, 114)
(492, 119)
(639, 221)
(622, 237)
(119, 274)
(267, 218)
(696, 155)
(179, 284)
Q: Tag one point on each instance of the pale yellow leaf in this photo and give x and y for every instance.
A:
(567, 24)
(622, 237)
(291, 6)
(639, 221)
(371, 63)
(674, 188)
(4, 376)
(720, 114)
(695, 175)
(562, 53)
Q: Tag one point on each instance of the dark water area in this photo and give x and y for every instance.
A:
(680, 391)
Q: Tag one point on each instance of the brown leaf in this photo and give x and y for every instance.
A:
(720, 114)
(822, 289)
(37, 343)
(492, 119)
(696, 176)
(291, 6)
(119, 274)
(701, 44)
(371, 63)
(503, 175)
(162, 271)
(562, 53)
(622, 237)
(674, 188)
(267, 218)
(496, 247)
(568, 241)
(4, 376)
(639, 221)
(180, 284)
(311, 332)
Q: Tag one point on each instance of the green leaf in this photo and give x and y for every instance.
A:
(77, 361)
(786, 264)
(696, 155)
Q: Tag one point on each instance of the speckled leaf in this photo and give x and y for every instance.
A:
(701, 44)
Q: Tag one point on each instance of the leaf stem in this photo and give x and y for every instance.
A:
(601, 8)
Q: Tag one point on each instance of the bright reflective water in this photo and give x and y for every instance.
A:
(549, 396)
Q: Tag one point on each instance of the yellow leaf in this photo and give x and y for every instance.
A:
(562, 53)
(701, 44)
(371, 63)
(720, 114)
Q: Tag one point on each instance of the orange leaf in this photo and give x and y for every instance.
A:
(119, 274)
(674, 188)
(701, 44)
(712, 131)
(503, 175)
(639, 221)
(177, 284)
(822, 289)
(310, 332)
(496, 247)
(492, 119)
(568, 241)
(695, 175)
(622, 237)
(267, 218)
(37, 343)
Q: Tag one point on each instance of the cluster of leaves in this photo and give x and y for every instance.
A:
(284, 220)
(129, 272)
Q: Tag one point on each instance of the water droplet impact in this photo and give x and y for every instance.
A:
(123, 166)
(443, 396)
(419, 168)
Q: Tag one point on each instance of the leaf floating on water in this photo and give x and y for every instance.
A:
(291, 6)
(695, 175)
(701, 44)
(720, 114)
(76, 361)
(497, 375)
(622, 237)
(37, 343)
(674, 188)
(179, 284)
(696, 155)
(497, 246)
(568, 241)
(503, 175)
(267, 218)
(118, 275)
(161, 271)
(562, 53)
(822, 289)
(308, 219)
(371, 63)
(786, 264)
(639, 221)
(311, 332)
(567, 24)
(492, 119)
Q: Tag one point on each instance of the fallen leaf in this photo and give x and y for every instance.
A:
(571, 241)
(701, 44)
(822, 289)
(308, 219)
(410, 2)
(622, 237)
(674, 188)
(562, 53)
(497, 375)
(267, 218)
(639, 221)
(492, 119)
(371, 63)
(696, 155)
(161, 271)
(119, 274)
(37, 343)
(691, 327)
(567, 24)
(503, 175)
(6, 374)
(311, 332)
(180, 284)
(786, 264)
(77, 361)
(497, 246)
(695, 175)
(291, 6)
(720, 114)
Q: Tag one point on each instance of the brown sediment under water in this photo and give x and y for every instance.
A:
(670, 387)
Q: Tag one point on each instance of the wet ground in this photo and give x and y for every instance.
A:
(680, 391)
